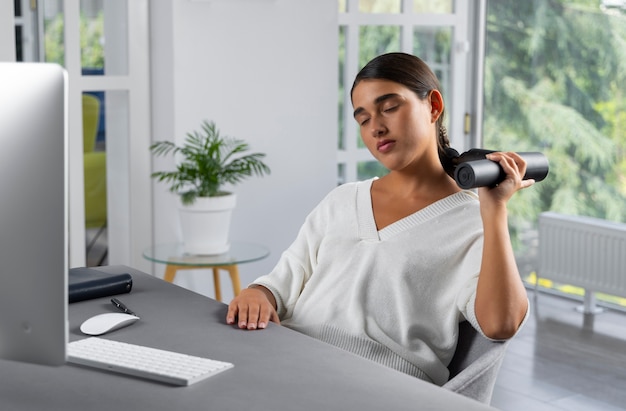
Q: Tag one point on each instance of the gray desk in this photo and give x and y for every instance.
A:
(275, 369)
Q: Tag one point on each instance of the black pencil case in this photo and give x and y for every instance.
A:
(86, 283)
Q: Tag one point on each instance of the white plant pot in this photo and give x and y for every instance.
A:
(206, 224)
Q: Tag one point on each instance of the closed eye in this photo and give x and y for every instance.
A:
(361, 117)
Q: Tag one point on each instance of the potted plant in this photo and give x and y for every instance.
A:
(207, 162)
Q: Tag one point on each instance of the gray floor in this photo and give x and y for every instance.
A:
(564, 360)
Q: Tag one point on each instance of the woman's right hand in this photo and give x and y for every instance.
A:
(253, 308)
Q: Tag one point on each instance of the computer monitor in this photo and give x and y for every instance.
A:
(33, 213)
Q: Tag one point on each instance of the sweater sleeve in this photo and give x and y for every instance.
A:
(296, 264)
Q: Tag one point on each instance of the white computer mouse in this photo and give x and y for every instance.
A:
(104, 323)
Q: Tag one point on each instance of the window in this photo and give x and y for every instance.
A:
(91, 39)
(26, 31)
(435, 30)
(554, 82)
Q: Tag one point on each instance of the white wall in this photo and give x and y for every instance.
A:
(264, 71)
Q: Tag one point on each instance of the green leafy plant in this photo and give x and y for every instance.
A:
(208, 162)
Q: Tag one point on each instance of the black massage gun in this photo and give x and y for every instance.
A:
(472, 169)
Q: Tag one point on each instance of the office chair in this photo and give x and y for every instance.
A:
(94, 173)
(475, 365)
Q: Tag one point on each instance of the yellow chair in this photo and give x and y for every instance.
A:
(95, 172)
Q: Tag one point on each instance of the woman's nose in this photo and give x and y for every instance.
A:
(378, 128)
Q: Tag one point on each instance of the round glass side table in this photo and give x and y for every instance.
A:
(175, 258)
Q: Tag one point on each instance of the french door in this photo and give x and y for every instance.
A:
(446, 34)
(104, 47)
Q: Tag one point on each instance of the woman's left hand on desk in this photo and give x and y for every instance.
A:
(253, 309)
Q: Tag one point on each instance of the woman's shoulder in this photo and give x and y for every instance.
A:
(345, 195)
(468, 195)
(463, 198)
(349, 189)
(463, 206)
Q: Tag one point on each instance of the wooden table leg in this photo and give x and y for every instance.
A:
(170, 272)
(233, 271)
(216, 283)
(234, 278)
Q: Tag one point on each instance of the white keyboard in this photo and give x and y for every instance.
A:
(140, 361)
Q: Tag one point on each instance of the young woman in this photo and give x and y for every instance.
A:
(387, 268)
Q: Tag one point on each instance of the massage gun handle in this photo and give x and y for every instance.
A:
(474, 170)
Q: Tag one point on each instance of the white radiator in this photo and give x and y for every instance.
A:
(583, 251)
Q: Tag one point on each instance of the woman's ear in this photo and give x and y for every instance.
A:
(436, 104)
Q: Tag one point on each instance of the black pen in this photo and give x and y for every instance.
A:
(120, 306)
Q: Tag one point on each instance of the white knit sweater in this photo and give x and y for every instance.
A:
(394, 296)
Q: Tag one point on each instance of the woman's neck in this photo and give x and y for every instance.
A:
(398, 195)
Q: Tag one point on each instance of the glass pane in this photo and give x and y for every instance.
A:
(376, 40)
(94, 159)
(105, 128)
(554, 76)
(369, 169)
(19, 39)
(434, 46)
(54, 38)
(342, 6)
(19, 30)
(342, 87)
(104, 38)
(433, 6)
(341, 173)
(93, 121)
(380, 6)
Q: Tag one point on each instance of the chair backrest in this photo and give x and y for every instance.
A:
(475, 365)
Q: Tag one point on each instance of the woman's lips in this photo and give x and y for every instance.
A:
(384, 146)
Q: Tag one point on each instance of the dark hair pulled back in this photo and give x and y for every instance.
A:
(413, 73)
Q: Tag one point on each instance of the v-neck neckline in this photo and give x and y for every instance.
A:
(367, 223)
